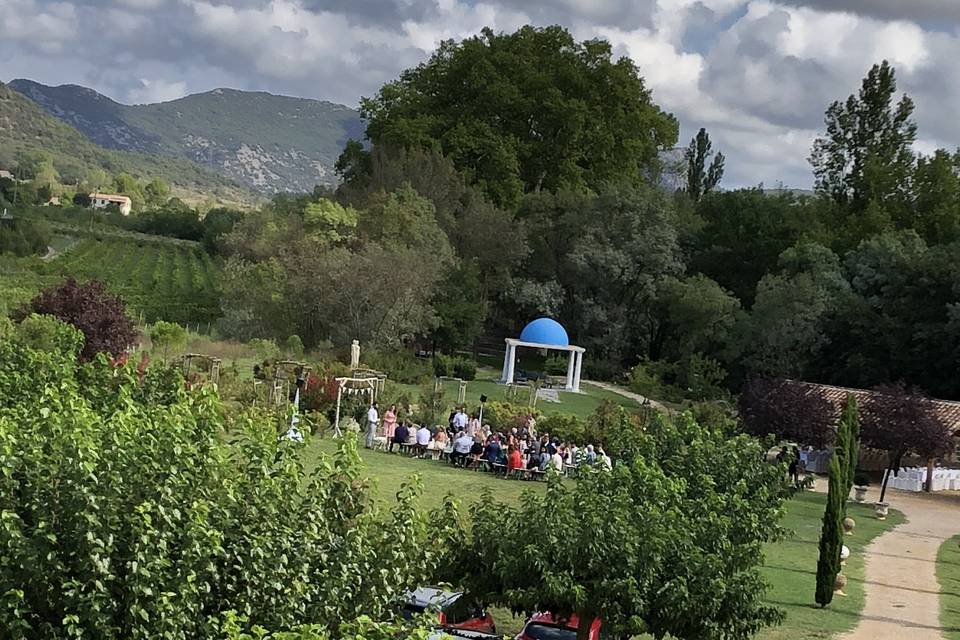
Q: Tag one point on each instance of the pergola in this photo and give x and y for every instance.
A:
(548, 334)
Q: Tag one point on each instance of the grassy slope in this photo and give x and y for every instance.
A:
(790, 564)
(948, 575)
(24, 126)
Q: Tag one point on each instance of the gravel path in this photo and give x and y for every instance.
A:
(626, 394)
(902, 593)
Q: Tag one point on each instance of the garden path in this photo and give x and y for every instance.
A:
(902, 593)
(626, 394)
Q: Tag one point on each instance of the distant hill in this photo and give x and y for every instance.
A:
(267, 142)
(24, 126)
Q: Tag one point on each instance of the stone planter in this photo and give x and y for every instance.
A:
(839, 585)
(881, 509)
(860, 494)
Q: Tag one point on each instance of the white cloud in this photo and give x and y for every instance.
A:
(757, 73)
(151, 91)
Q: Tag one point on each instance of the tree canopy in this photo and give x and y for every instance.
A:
(525, 111)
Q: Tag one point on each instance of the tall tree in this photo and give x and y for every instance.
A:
(524, 111)
(788, 411)
(702, 178)
(865, 157)
(899, 421)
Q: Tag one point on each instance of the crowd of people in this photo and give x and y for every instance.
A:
(466, 442)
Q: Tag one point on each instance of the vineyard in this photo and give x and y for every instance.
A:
(158, 279)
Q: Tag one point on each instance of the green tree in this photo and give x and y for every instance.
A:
(831, 534)
(113, 531)
(701, 178)
(525, 111)
(936, 185)
(156, 192)
(654, 546)
(166, 336)
(865, 157)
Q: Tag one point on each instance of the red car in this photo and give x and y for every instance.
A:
(543, 626)
(454, 610)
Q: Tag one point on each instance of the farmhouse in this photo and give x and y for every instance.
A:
(103, 200)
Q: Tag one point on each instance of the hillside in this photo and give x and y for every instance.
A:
(26, 127)
(270, 143)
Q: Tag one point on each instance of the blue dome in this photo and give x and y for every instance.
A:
(545, 331)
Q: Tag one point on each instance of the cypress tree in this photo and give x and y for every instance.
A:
(850, 423)
(831, 535)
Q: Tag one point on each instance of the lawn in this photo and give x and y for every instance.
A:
(948, 575)
(790, 564)
(579, 404)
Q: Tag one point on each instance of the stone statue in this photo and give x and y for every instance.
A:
(355, 354)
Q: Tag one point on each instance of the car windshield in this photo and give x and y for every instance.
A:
(548, 632)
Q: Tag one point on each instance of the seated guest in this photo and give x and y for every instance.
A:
(441, 437)
(492, 451)
(556, 462)
(514, 459)
(423, 439)
(544, 458)
(461, 448)
(400, 435)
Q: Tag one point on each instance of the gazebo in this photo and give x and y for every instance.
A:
(544, 333)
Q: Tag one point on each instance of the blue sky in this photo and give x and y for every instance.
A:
(758, 74)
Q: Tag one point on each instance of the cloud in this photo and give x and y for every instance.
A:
(915, 10)
(757, 73)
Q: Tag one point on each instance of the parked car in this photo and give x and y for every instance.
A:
(454, 610)
(544, 626)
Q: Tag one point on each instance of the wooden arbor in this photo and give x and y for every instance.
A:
(280, 390)
(461, 387)
(369, 387)
(188, 361)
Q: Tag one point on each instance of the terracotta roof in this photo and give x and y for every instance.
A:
(948, 410)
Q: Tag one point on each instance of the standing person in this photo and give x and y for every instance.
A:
(591, 457)
(389, 422)
(373, 417)
(556, 461)
(794, 468)
(473, 427)
(460, 420)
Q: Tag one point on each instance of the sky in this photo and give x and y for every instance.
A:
(757, 74)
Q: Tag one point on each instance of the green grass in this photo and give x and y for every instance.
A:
(790, 566)
(580, 404)
(948, 575)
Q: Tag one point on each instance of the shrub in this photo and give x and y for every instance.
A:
(401, 366)
(89, 307)
(464, 368)
(166, 336)
(442, 365)
(294, 346)
(555, 366)
(503, 416)
(569, 428)
(46, 333)
(265, 349)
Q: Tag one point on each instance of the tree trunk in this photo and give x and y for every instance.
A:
(584, 623)
(928, 485)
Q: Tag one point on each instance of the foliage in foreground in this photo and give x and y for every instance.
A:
(669, 543)
(127, 511)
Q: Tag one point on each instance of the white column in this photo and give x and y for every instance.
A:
(570, 369)
(506, 363)
(576, 373)
(512, 357)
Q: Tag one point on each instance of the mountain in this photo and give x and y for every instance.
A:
(267, 142)
(25, 127)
